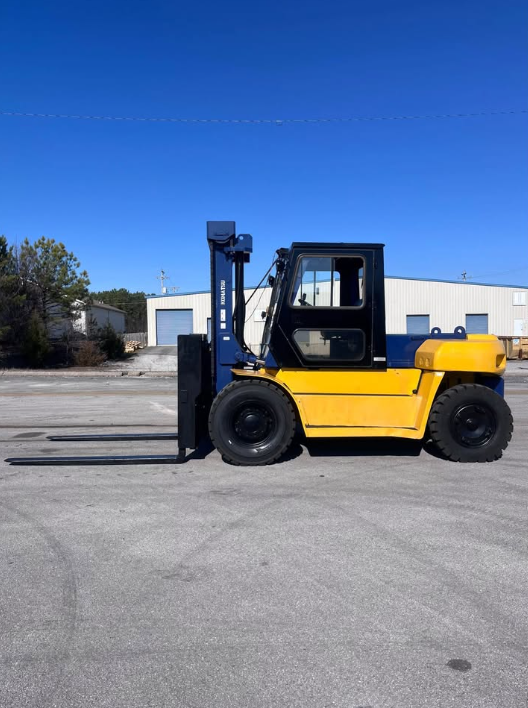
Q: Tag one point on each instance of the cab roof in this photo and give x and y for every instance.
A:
(325, 246)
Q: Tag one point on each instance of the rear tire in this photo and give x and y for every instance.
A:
(470, 423)
(251, 423)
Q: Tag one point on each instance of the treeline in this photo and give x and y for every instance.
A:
(40, 283)
(42, 286)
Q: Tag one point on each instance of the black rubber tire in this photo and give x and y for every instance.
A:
(254, 400)
(470, 423)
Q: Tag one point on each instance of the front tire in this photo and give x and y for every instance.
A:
(470, 423)
(251, 423)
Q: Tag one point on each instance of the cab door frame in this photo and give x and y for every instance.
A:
(334, 322)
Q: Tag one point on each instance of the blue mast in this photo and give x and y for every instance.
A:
(227, 343)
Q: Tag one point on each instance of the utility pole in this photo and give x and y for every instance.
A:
(162, 277)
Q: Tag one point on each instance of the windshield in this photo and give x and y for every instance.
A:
(276, 281)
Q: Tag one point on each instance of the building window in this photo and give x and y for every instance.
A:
(418, 324)
(519, 298)
(477, 324)
(323, 281)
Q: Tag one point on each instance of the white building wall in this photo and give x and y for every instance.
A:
(446, 304)
(102, 317)
(60, 325)
(79, 323)
(200, 304)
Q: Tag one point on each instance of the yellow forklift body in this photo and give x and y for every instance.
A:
(393, 403)
(479, 353)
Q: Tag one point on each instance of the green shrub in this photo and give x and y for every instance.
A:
(88, 354)
(36, 346)
(111, 343)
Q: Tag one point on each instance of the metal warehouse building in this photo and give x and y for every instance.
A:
(412, 305)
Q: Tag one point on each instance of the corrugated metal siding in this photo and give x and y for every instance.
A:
(200, 304)
(447, 305)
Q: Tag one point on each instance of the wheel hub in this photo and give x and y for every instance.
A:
(474, 425)
(253, 424)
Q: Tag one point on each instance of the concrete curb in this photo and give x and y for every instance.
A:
(86, 372)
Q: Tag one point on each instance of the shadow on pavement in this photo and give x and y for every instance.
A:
(202, 451)
(349, 447)
(363, 447)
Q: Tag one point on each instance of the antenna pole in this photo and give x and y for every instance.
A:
(162, 277)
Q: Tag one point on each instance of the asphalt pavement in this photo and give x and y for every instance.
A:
(356, 575)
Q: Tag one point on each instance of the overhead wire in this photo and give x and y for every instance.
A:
(501, 272)
(269, 121)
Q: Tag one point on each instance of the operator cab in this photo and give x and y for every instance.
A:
(327, 308)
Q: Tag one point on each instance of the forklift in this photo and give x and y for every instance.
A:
(325, 366)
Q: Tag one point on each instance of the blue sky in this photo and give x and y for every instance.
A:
(444, 195)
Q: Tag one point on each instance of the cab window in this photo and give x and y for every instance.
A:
(330, 345)
(325, 281)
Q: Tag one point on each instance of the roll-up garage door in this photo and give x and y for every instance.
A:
(477, 324)
(171, 323)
